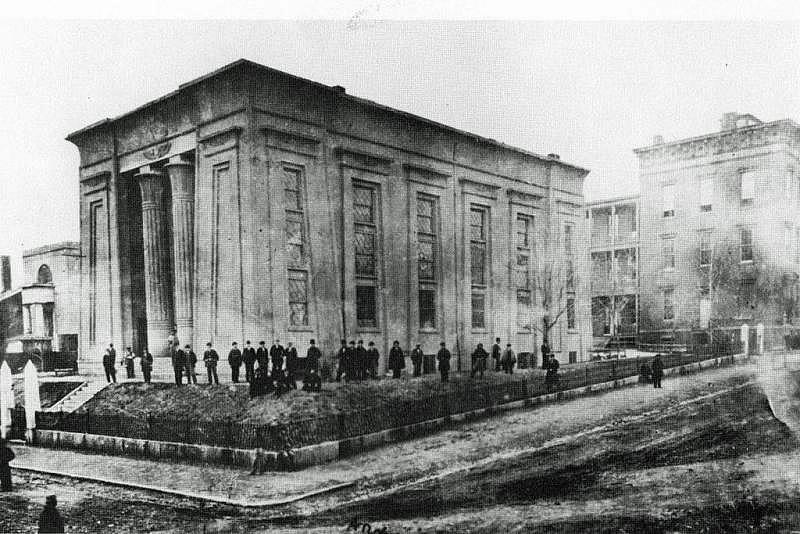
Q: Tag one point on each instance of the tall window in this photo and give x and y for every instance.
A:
(668, 200)
(95, 212)
(296, 253)
(668, 252)
(747, 293)
(478, 238)
(669, 304)
(571, 313)
(746, 244)
(522, 279)
(427, 243)
(44, 276)
(365, 232)
(705, 248)
(569, 263)
(706, 193)
(747, 186)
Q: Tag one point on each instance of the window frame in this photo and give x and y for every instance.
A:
(750, 190)
(668, 194)
(668, 297)
(668, 265)
(745, 247)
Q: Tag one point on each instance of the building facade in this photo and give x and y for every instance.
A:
(719, 228)
(252, 204)
(44, 312)
(614, 257)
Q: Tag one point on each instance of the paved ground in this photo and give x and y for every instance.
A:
(393, 464)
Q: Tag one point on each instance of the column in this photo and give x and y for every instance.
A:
(37, 320)
(181, 177)
(156, 260)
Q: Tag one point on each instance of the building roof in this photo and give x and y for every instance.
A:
(52, 247)
(613, 200)
(339, 92)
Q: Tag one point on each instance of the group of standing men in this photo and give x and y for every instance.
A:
(504, 360)
(128, 358)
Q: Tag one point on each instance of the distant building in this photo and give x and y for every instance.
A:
(719, 228)
(44, 312)
(253, 204)
(614, 254)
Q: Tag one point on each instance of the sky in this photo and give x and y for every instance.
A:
(588, 91)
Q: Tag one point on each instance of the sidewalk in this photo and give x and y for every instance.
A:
(396, 463)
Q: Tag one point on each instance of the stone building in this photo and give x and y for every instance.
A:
(44, 312)
(253, 204)
(614, 256)
(719, 228)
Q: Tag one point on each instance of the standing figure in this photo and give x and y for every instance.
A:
(311, 379)
(178, 364)
(50, 520)
(341, 360)
(496, 353)
(292, 362)
(397, 360)
(249, 357)
(146, 363)
(443, 356)
(545, 354)
(262, 356)
(361, 361)
(210, 359)
(416, 360)
(508, 359)
(191, 362)
(373, 357)
(551, 378)
(657, 370)
(235, 361)
(6, 455)
(350, 362)
(276, 353)
(173, 343)
(127, 361)
(479, 357)
(109, 365)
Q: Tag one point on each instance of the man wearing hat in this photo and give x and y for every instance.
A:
(50, 520)
(443, 356)
(249, 357)
(235, 361)
(210, 358)
(191, 361)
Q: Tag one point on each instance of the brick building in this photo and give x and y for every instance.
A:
(614, 256)
(719, 228)
(253, 204)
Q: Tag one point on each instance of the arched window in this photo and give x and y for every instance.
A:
(44, 276)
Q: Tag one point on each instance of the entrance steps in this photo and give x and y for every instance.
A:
(78, 397)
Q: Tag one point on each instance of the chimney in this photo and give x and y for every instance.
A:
(728, 121)
(5, 272)
(658, 139)
(554, 156)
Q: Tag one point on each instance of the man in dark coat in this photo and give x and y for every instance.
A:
(397, 360)
(292, 364)
(50, 520)
(361, 361)
(178, 364)
(249, 358)
(6, 455)
(190, 358)
(443, 356)
(350, 362)
(496, 350)
(147, 365)
(416, 358)
(127, 360)
(551, 377)
(311, 379)
(109, 363)
(235, 361)
(545, 354)
(373, 359)
(262, 356)
(210, 359)
(276, 350)
(276, 354)
(657, 370)
(341, 363)
(479, 357)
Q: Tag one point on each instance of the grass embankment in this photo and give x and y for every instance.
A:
(228, 402)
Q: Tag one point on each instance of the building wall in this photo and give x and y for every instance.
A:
(244, 144)
(770, 152)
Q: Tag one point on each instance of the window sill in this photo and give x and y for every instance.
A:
(479, 330)
(746, 262)
(528, 332)
(369, 330)
(300, 329)
(428, 331)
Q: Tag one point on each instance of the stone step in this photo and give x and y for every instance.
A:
(78, 397)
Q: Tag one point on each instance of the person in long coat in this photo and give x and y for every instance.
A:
(50, 520)
(178, 358)
(191, 363)
(249, 357)
(127, 360)
(373, 358)
(311, 379)
(146, 362)
(235, 361)
(6, 455)
(361, 361)
(292, 363)
(416, 358)
(657, 370)
(397, 360)
(496, 352)
(109, 365)
(508, 359)
(479, 357)
(350, 368)
(210, 359)
(262, 356)
(545, 354)
(443, 356)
